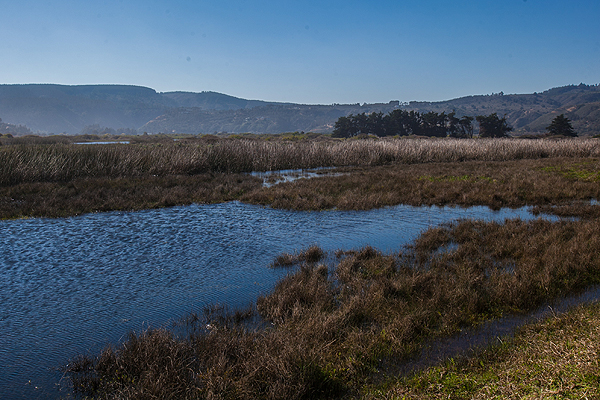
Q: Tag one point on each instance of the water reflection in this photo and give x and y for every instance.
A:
(112, 142)
(72, 285)
(271, 178)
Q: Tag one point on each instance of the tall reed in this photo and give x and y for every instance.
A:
(64, 162)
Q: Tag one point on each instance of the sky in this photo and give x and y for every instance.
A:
(311, 51)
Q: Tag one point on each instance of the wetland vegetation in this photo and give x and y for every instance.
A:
(338, 331)
(344, 329)
(59, 179)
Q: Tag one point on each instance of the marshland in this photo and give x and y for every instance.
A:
(60, 179)
(334, 316)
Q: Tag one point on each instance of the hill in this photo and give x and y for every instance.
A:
(530, 113)
(274, 118)
(46, 108)
(68, 109)
(213, 101)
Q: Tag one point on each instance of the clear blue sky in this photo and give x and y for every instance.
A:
(324, 51)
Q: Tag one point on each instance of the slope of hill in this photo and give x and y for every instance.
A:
(46, 108)
(213, 101)
(265, 119)
(530, 113)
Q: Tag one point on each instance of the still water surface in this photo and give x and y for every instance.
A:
(70, 286)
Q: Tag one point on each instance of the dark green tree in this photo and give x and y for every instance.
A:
(453, 124)
(492, 126)
(561, 125)
(362, 123)
(344, 127)
(398, 123)
(459, 127)
(375, 124)
(466, 127)
(434, 124)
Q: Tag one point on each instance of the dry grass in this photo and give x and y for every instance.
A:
(62, 162)
(495, 184)
(61, 179)
(61, 199)
(311, 255)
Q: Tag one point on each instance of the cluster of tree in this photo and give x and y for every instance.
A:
(96, 129)
(403, 123)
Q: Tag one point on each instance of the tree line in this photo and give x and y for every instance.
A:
(404, 123)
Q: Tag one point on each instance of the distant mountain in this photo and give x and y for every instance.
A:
(46, 108)
(68, 109)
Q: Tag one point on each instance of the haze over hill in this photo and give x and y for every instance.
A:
(47, 108)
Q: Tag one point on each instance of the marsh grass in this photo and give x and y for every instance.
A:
(61, 199)
(67, 179)
(64, 162)
(331, 331)
(574, 209)
(312, 254)
(495, 184)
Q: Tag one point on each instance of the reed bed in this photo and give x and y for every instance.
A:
(65, 162)
(333, 330)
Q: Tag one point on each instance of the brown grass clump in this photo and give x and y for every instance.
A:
(311, 255)
(330, 330)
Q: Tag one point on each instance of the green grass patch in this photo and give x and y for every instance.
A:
(586, 171)
(553, 359)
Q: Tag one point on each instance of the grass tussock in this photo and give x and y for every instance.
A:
(331, 330)
(313, 254)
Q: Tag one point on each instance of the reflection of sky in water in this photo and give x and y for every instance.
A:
(271, 178)
(72, 285)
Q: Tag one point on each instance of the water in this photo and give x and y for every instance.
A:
(71, 286)
(119, 142)
(271, 178)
